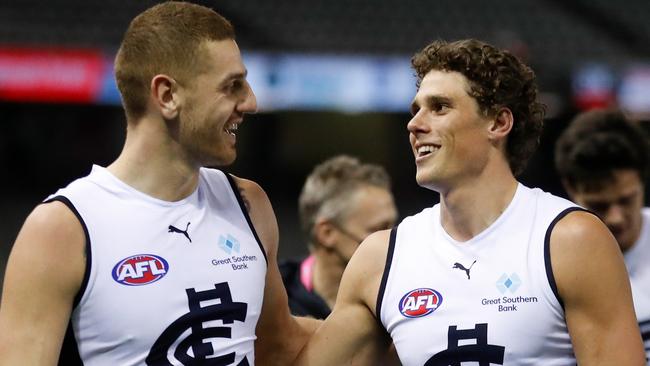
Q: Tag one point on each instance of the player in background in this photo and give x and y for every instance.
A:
(342, 201)
(496, 273)
(602, 159)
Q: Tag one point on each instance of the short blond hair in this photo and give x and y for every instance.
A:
(164, 39)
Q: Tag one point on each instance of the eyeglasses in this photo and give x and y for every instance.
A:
(347, 233)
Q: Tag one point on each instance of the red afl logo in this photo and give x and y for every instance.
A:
(420, 302)
(141, 269)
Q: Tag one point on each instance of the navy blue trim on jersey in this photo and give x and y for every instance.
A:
(69, 355)
(547, 250)
(384, 277)
(644, 326)
(235, 189)
(88, 253)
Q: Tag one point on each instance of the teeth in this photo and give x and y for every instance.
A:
(232, 128)
(427, 149)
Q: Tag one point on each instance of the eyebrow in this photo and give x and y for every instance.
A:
(235, 75)
(430, 100)
(628, 196)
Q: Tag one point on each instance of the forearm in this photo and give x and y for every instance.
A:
(274, 350)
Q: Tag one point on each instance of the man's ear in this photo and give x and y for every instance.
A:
(325, 233)
(165, 97)
(501, 124)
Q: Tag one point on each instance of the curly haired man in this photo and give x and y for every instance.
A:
(497, 273)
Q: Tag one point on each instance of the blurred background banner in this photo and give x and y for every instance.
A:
(331, 77)
(52, 75)
(288, 81)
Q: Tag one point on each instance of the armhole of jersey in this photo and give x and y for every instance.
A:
(384, 277)
(69, 355)
(547, 251)
(242, 206)
(644, 326)
(84, 283)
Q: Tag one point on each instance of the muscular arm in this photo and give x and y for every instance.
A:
(352, 335)
(594, 285)
(44, 272)
(280, 336)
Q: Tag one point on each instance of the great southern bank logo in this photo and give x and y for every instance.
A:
(420, 302)
(508, 283)
(229, 244)
(140, 269)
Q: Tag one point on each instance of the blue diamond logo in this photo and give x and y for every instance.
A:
(229, 244)
(508, 283)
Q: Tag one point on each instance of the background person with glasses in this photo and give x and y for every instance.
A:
(342, 202)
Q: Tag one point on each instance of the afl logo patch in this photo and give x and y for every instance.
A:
(420, 302)
(140, 269)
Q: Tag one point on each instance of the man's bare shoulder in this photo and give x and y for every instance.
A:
(371, 254)
(255, 198)
(53, 237)
(581, 243)
(261, 213)
(579, 231)
(54, 226)
(577, 239)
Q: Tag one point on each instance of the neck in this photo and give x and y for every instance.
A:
(471, 207)
(638, 226)
(328, 270)
(153, 163)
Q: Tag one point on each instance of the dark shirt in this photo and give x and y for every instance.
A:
(302, 302)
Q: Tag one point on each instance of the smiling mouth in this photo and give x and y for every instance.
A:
(231, 129)
(426, 150)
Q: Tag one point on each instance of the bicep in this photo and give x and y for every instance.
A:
(593, 283)
(264, 223)
(279, 335)
(44, 272)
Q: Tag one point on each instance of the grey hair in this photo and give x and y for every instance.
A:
(330, 188)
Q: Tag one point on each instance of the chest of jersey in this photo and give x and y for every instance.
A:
(178, 282)
(483, 302)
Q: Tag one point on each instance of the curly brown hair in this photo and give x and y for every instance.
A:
(497, 79)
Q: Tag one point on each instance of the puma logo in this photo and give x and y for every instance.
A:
(173, 229)
(461, 267)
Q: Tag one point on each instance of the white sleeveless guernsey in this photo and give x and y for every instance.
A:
(491, 300)
(167, 283)
(637, 260)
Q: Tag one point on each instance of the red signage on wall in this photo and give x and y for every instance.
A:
(50, 75)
